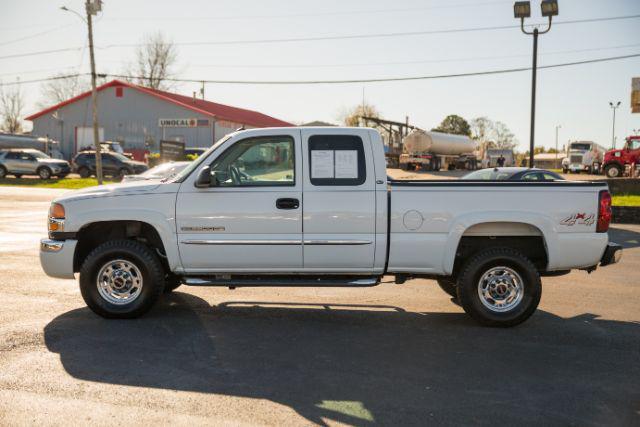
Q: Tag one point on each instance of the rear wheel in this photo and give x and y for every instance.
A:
(121, 279)
(613, 170)
(122, 173)
(499, 287)
(3, 172)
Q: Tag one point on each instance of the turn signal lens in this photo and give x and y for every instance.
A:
(56, 211)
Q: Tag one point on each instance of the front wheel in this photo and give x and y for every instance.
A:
(448, 285)
(44, 173)
(613, 170)
(121, 279)
(3, 172)
(84, 172)
(499, 287)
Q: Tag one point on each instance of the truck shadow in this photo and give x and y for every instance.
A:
(627, 238)
(361, 364)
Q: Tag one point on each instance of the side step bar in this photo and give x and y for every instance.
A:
(267, 281)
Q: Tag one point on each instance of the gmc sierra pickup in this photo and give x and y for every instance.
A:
(314, 207)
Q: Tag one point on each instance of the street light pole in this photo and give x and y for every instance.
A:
(522, 9)
(614, 107)
(94, 94)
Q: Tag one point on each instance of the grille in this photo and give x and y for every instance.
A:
(576, 159)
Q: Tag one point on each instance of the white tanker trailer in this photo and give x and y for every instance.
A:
(436, 150)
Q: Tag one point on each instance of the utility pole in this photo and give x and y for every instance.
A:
(92, 9)
(556, 162)
(614, 107)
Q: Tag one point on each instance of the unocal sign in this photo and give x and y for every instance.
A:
(182, 123)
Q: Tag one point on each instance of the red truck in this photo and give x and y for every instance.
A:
(615, 161)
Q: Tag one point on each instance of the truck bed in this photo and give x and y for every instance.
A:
(429, 217)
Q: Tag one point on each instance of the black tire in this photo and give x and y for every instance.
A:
(481, 263)
(122, 173)
(565, 171)
(448, 284)
(613, 171)
(135, 253)
(171, 283)
(84, 172)
(3, 172)
(44, 172)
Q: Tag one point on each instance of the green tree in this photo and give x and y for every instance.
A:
(454, 124)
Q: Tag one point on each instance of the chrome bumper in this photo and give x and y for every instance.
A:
(56, 257)
(612, 254)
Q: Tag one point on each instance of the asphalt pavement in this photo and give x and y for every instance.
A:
(390, 355)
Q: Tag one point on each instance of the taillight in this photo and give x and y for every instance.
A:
(604, 211)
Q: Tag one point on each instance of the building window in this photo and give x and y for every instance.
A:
(119, 91)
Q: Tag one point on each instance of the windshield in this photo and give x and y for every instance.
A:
(39, 155)
(196, 163)
(581, 147)
(488, 175)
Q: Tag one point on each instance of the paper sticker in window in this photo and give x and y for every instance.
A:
(346, 163)
(322, 164)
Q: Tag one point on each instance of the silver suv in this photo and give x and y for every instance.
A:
(20, 162)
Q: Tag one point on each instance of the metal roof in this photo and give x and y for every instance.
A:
(219, 111)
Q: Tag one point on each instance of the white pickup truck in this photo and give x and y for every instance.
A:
(314, 207)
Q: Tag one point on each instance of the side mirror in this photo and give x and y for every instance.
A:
(203, 180)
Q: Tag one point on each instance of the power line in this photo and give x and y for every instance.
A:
(38, 34)
(356, 64)
(388, 79)
(379, 35)
(327, 38)
(303, 15)
(420, 61)
(313, 82)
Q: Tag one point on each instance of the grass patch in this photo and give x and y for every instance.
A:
(626, 200)
(65, 183)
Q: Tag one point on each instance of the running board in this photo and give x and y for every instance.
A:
(267, 281)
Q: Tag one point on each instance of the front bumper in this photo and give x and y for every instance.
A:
(56, 257)
(612, 254)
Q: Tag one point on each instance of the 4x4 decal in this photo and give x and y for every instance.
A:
(579, 218)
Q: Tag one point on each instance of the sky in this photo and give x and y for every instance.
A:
(576, 98)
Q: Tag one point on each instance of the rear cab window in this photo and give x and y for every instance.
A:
(336, 160)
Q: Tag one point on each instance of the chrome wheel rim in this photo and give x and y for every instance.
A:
(500, 289)
(119, 282)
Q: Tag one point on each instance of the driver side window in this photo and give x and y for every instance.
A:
(261, 161)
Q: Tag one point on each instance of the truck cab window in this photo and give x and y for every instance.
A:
(264, 161)
(336, 160)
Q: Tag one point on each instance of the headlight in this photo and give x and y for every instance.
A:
(56, 217)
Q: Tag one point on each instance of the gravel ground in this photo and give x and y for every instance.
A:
(393, 354)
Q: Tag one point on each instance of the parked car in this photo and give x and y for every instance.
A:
(28, 161)
(162, 171)
(113, 164)
(315, 208)
(513, 174)
(616, 161)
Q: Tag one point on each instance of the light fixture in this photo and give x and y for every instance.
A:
(549, 7)
(522, 9)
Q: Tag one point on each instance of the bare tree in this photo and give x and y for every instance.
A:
(155, 62)
(503, 137)
(490, 134)
(11, 106)
(353, 116)
(62, 89)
